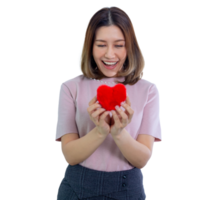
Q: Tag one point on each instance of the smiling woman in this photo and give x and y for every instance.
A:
(109, 51)
(106, 153)
(110, 37)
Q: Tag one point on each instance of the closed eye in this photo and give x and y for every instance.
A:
(105, 45)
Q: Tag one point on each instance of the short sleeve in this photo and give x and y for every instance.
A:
(66, 113)
(150, 124)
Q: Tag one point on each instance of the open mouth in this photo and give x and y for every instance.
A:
(111, 65)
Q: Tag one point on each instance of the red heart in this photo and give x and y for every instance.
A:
(109, 97)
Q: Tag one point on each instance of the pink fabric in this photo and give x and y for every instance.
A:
(76, 93)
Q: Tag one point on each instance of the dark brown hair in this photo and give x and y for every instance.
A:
(134, 63)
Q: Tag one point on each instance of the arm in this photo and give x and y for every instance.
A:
(78, 150)
(135, 152)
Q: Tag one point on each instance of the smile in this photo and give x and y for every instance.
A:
(110, 65)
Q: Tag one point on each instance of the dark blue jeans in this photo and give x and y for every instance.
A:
(88, 184)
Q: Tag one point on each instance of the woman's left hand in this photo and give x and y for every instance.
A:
(121, 118)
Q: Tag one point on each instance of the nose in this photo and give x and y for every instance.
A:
(110, 53)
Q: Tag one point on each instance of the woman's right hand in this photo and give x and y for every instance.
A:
(99, 117)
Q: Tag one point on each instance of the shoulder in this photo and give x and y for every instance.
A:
(145, 85)
(71, 82)
(78, 79)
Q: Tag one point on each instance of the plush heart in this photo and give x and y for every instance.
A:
(109, 97)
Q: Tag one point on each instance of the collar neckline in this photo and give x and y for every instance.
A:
(111, 79)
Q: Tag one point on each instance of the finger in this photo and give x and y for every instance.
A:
(116, 119)
(118, 109)
(103, 116)
(127, 109)
(101, 110)
(96, 98)
(94, 107)
(122, 113)
(116, 115)
(128, 101)
(98, 112)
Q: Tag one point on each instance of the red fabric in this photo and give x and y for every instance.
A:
(109, 97)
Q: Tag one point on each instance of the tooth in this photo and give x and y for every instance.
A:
(110, 63)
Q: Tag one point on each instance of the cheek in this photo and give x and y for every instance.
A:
(97, 53)
(125, 53)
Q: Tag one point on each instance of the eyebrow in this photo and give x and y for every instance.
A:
(115, 40)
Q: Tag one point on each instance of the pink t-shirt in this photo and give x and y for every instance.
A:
(76, 93)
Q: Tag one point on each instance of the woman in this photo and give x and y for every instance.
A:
(106, 150)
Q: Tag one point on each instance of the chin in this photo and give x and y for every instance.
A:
(110, 75)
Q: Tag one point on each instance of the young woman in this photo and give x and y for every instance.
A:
(107, 149)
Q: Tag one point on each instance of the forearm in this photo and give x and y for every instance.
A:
(136, 153)
(78, 150)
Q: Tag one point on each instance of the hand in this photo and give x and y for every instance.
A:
(121, 118)
(108, 118)
(100, 118)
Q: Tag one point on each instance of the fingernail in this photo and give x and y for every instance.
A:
(117, 107)
(122, 103)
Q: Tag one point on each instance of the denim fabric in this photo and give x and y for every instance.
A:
(81, 183)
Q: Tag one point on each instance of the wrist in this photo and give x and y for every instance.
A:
(118, 134)
(99, 133)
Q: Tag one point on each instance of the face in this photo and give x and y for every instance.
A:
(109, 47)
